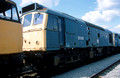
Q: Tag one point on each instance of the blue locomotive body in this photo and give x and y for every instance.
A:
(69, 39)
(64, 31)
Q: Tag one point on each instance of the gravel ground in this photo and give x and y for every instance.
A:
(90, 69)
(114, 73)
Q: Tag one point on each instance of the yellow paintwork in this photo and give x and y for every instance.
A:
(34, 36)
(10, 37)
(31, 38)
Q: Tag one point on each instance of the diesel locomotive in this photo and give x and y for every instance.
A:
(52, 38)
(11, 38)
(49, 39)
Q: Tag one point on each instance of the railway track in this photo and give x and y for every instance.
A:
(110, 67)
(30, 74)
(26, 72)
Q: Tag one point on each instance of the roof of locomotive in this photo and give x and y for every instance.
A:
(41, 8)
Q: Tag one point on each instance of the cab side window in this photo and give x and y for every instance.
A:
(52, 23)
(9, 12)
(14, 14)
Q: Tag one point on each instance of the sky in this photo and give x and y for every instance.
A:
(104, 13)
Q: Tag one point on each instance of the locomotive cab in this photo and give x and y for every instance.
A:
(41, 29)
(10, 28)
(34, 29)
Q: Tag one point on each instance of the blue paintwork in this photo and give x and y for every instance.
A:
(52, 37)
(116, 39)
(119, 39)
(73, 32)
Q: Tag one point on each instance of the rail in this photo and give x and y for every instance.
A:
(97, 75)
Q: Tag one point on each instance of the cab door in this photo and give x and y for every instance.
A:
(61, 26)
(52, 33)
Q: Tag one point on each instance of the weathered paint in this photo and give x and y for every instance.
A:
(10, 37)
(34, 36)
